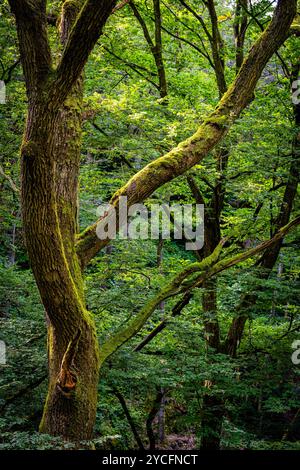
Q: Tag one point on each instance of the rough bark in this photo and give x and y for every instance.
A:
(49, 183)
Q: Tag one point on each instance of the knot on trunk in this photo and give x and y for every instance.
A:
(29, 149)
(67, 378)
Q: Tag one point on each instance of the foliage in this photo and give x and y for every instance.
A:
(126, 126)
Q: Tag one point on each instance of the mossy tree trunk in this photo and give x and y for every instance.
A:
(50, 157)
(49, 208)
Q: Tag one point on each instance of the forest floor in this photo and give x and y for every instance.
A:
(179, 442)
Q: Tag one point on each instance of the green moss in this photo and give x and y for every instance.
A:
(72, 6)
(73, 102)
(220, 121)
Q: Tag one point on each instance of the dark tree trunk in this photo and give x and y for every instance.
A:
(152, 414)
(211, 422)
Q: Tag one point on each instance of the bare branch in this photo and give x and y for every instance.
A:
(9, 179)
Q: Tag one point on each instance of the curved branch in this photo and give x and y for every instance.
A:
(191, 151)
(201, 271)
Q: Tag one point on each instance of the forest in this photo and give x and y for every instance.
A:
(174, 325)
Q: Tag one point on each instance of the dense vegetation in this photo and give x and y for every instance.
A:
(209, 365)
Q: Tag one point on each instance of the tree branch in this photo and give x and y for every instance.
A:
(176, 310)
(10, 181)
(120, 5)
(156, 45)
(198, 273)
(130, 420)
(171, 289)
(7, 74)
(205, 52)
(136, 68)
(191, 151)
(33, 41)
(23, 391)
(142, 24)
(199, 18)
(217, 48)
(85, 33)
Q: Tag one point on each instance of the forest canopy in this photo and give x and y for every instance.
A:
(149, 340)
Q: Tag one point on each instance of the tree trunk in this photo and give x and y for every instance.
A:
(212, 407)
(50, 157)
(152, 415)
(51, 147)
(211, 423)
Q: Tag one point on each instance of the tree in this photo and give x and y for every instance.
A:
(50, 155)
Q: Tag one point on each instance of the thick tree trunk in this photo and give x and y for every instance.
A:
(71, 403)
(50, 157)
(50, 165)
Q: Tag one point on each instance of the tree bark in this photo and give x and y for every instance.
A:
(50, 155)
(49, 221)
